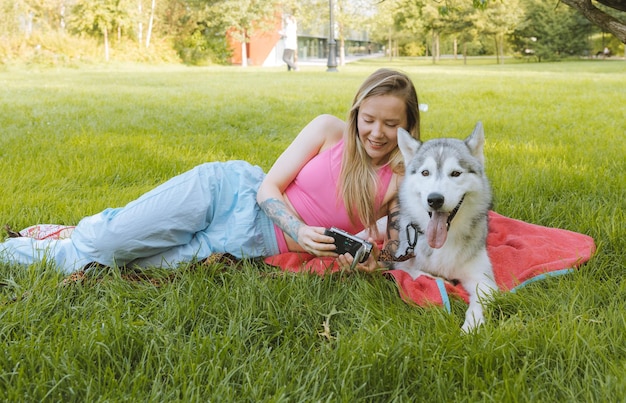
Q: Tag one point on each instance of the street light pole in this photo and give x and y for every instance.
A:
(332, 45)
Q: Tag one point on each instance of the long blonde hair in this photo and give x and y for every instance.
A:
(358, 180)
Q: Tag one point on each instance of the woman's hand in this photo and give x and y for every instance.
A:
(371, 265)
(314, 241)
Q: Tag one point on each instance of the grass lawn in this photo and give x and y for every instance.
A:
(75, 141)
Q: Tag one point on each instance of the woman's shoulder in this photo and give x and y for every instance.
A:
(330, 122)
(330, 127)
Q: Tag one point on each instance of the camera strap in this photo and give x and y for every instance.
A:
(358, 257)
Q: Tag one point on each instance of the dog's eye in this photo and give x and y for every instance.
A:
(455, 174)
(425, 172)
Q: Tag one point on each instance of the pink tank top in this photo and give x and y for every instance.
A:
(313, 193)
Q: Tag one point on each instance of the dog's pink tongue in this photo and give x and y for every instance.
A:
(437, 230)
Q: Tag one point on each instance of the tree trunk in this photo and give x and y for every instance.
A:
(150, 22)
(495, 39)
(499, 38)
(455, 48)
(244, 52)
(600, 18)
(464, 52)
(140, 24)
(62, 13)
(106, 43)
(389, 46)
(435, 50)
(616, 4)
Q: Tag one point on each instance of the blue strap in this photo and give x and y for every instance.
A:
(444, 294)
(542, 276)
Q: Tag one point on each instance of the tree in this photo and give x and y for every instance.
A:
(150, 23)
(350, 17)
(601, 18)
(500, 20)
(25, 16)
(10, 13)
(598, 12)
(48, 14)
(554, 32)
(94, 18)
(390, 25)
(435, 23)
(454, 19)
(244, 17)
(459, 21)
(198, 35)
(123, 16)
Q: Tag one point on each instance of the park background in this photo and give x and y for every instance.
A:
(79, 136)
(204, 32)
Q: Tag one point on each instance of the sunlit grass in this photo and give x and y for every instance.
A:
(73, 142)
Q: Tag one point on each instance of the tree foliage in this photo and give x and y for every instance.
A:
(493, 26)
(198, 30)
(550, 32)
(608, 20)
(244, 18)
(97, 18)
(500, 20)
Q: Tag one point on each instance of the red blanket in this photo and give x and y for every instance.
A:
(520, 253)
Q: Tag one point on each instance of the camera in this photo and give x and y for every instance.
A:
(347, 243)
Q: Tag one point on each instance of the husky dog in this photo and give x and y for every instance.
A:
(446, 196)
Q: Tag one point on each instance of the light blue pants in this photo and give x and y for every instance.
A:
(209, 209)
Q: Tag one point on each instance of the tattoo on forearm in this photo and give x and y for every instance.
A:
(390, 249)
(393, 223)
(278, 212)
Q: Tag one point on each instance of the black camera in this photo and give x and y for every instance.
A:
(347, 243)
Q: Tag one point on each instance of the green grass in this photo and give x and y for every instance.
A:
(73, 142)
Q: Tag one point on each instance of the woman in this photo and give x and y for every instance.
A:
(334, 173)
(290, 33)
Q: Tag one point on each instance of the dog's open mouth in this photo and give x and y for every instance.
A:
(437, 230)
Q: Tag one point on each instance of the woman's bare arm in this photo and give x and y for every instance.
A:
(321, 133)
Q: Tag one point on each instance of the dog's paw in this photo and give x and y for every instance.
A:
(472, 323)
(470, 327)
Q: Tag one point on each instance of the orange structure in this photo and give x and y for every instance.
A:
(263, 47)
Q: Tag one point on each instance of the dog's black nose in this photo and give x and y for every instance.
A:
(435, 200)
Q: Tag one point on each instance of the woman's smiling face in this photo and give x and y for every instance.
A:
(377, 122)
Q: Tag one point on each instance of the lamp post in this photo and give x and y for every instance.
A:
(332, 45)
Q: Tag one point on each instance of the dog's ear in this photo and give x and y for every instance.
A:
(476, 142)
(407, 144)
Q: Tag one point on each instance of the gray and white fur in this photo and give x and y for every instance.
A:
(446, 195)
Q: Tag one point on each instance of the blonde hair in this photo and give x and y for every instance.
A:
(358, 181)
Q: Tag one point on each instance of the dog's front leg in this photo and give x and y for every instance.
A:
(479, 294)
